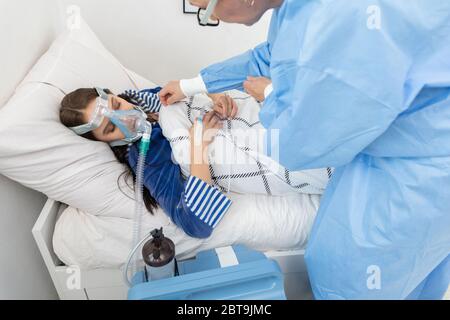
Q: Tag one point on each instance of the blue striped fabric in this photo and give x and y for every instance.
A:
(205, 201)
(147, 99)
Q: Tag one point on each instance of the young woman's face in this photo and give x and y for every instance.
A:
(107, 132)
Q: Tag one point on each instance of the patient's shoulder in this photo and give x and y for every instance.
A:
(174, 118)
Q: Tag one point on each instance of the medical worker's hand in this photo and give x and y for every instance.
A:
(171, 93)
(224, 106)
(256, 86)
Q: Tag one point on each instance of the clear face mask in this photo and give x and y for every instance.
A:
(132, 123)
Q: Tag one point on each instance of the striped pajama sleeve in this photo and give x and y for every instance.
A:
(205, 202)
(147, 99)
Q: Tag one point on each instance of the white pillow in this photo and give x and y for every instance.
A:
(37, 151)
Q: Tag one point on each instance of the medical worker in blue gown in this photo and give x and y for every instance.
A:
(364, 86)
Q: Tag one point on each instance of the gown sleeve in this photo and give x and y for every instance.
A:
(231, 74)
(192, 205)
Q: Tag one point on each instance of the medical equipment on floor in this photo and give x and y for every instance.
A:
(230, 273)
(159, 257)
(158, 253)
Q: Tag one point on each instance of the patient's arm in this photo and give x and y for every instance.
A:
(200, 169)
(199, 149)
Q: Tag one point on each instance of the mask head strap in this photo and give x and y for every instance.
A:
(96, 117)
(102, 94)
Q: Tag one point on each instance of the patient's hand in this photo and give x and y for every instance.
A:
(224, 106)
(256, 86)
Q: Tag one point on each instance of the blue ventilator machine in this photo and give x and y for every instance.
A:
(231, 273)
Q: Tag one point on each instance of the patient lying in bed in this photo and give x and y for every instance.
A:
(191, 195)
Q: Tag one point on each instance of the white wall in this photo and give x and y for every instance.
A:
(155, 39)
(26, 30)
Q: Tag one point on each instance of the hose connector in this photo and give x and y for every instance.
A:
(145, 141)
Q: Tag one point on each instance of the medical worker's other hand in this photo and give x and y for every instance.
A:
(171, 93)
(225, 107)
(256, 86)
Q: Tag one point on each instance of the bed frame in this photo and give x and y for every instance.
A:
(107, 284)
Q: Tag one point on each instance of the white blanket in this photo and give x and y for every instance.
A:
(237, 159)
(257, 221)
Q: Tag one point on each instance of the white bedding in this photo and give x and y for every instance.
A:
(258, 221)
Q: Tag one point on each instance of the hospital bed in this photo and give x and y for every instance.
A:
(108, 283)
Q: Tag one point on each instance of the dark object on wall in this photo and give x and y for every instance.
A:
(189, 8)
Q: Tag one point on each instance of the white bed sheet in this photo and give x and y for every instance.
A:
(261, 222)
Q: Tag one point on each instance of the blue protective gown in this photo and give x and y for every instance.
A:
(374, 103)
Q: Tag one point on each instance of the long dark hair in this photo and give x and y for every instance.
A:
(71, 115)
